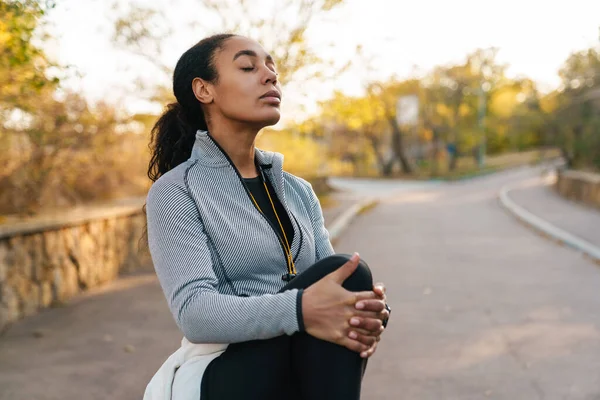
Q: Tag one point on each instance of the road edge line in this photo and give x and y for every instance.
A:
(545, 227)
(339, 225)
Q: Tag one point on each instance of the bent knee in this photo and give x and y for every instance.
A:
(361, 279)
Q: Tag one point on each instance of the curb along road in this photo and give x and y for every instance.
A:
(343, 221)
(545, 227)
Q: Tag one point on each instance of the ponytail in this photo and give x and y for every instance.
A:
(172, 140)
(173, 135)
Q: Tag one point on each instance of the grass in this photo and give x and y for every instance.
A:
(467, 167)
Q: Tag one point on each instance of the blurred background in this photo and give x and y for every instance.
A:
(416, 90)
(387, 103)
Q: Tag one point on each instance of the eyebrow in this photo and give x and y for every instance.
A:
(250, 53)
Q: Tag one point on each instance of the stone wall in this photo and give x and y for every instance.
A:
(583, 187)
(47, 261)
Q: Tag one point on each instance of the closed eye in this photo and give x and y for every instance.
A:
(248, 69)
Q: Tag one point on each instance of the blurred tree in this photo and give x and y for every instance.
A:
(387, 94)
(23, 64)
(281, 29)
(357, 121)
(302, 153)
(280, 26)
(434, 114)
(463, 92)
(56, 149)
(575, 109)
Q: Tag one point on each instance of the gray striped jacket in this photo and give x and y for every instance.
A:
(218, 260)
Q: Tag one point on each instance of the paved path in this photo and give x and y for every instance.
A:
(105, 345)
(543, 201)
(483, 308)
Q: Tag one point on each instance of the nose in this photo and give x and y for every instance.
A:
(269, 76)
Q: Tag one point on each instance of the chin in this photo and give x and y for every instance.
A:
(270, 118)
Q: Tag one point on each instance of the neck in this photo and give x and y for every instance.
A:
(238, 143)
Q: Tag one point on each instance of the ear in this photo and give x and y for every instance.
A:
(202, 91)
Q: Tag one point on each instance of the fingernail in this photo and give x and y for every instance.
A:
(354, 321)
(355, 256)
(363, 354)
(353, 335)
(360, 306)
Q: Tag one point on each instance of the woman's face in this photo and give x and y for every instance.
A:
(247, 89)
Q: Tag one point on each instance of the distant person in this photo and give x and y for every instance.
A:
(240, 248)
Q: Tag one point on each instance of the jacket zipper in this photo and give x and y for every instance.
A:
(290, 215)
(285, 255)
(301, 237)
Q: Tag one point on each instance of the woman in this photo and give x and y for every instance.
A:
(240, 248)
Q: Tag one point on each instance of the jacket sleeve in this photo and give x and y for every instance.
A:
(323, 247)
(183, 262)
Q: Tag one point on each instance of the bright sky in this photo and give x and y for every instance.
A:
(534, 37)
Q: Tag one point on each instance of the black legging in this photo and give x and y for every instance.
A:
(297, 367)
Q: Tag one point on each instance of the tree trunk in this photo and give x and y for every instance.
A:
(453, 161)
(398, 146)
(385, 167)
(454, 141)
(436, 152)
(577, 154)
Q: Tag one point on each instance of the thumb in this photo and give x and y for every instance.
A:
(344, 272)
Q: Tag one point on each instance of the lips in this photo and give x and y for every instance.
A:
(271, 94)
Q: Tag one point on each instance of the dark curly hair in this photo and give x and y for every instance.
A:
(174, 133)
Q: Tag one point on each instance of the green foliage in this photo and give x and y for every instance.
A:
(472, 104)
(574, 119)
(23, 64)
(59, 150)
(56, 149)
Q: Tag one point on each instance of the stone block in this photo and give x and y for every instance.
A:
(38, 258)
(88, 257)
(70, 280)
(72, 236)
(46, 296)
(3, 261)
(4, 319)
(39, 269)
(9, 301)
(58, 286)
(3, 271)
(65, 284)
(21, 257)
(583, 187)
(21, 285)
(31, 303)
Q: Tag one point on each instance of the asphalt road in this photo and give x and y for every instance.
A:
(483, 308)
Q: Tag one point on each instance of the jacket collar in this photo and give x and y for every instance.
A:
(208, 152)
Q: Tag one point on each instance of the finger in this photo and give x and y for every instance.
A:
(362, 332)
(368, 324)
(364, 339)
(354, 345)
(370, 352)
(381, 315)
(376, 335)
(344, 272)
(379, 288)
(355, 297)
(371, 305)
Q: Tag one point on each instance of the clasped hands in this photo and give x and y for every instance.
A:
(351, 319)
